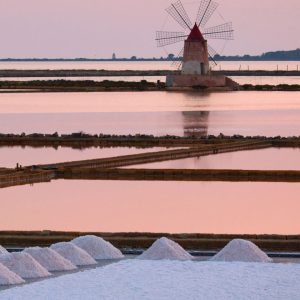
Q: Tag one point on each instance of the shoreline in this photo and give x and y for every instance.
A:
(83, 140)
(130, 73)
(142, 240)
(72, 86)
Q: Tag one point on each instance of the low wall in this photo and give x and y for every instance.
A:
(196, 80)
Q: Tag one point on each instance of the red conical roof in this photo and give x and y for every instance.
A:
(196, 35)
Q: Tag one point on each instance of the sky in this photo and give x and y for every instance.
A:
(97, 28)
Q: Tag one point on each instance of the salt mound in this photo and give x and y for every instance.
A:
(3, 250)
(24, 265)
(241, 250)
(97, 247)
(50, 259)
(8, 277)
(73, 253)
(165, 249)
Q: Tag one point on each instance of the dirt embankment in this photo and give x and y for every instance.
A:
(201, 242)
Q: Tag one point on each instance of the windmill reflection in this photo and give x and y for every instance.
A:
(195, 123)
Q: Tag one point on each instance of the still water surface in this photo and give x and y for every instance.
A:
(153, 206)
(28, 156)
(265, 159)
(158, 113)
(193, 207)
(150, 65)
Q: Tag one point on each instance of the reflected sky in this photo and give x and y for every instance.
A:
(193, 207)
(158, 113)
(10, 156)
(263, 159)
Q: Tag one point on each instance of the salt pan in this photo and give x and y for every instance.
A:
(97, 247)
(8, 277)
(3, 250)
(50, 259)
(73, 253)
(24, 265)
(165, 249)
(242, 251)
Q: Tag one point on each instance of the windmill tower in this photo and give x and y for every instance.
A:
(196, 53)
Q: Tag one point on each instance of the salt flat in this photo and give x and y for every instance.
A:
(135, 279)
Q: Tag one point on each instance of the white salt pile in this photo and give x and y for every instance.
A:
(165, 249)
(3, 250)
(24, 265)
(50, 259)
(242, 251)
(97, 247)
(8, 277)
(74, 254)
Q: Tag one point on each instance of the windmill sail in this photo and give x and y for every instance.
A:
(212, 54)
(164, 38)
(206, 10)
(177, 62)
(223, 32)
(179, 14)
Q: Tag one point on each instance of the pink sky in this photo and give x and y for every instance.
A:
(96, 28)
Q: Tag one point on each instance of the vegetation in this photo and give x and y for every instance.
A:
(65, 84)
(293, 55)
(268, 87)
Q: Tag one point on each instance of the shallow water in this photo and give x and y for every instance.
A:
(150, 65)
(265, 159)
(120, 206)
(9, 156)
(158, 113)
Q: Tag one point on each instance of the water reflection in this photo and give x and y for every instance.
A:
(195, 123)
(158, 113)
(193, 207)
(10, 156)
(264, 159)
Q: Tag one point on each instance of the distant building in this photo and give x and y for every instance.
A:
(114, 57)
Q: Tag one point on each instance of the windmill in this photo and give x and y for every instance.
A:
(197, 53)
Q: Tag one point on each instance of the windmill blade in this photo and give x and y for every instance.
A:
(206, 10)
(164, 38)
(178, 60)
(179, 14)
(221, 32)
(212, 53)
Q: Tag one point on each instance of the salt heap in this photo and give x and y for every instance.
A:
(3, 250)
(97, 247)
(8, 277)
(50, 259)
(165, 249)
(73, 253)
(243, 251)
(24, 265)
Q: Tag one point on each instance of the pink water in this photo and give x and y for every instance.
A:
(150, 65)
(266, 159)
(158, 113)
(28, 156)
(193, 207)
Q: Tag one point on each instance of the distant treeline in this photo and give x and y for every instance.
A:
(292, 55)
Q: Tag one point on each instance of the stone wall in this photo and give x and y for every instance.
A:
(196, 80)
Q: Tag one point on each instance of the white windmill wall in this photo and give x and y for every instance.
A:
(195, 58)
